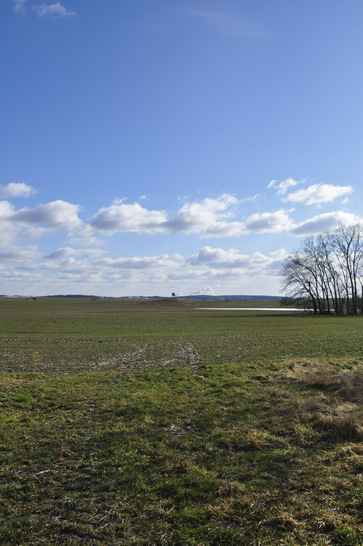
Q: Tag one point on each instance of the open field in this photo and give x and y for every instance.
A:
(157, 424)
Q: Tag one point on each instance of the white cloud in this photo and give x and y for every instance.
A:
(87, 268)
(146, 262)
(65, 252)
(21, 279)
(318, 193)
(7, 230)
(128, 217)
(19, 254)
(54, 215)
(206, 218)
(217, 258)
(107, 271)
(16, 190)
(29, 223)
(268, 222)
(283, 186)
(70, 270)
(6, 210)
(324, 222)
(53, 10)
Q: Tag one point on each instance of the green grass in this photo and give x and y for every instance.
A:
(130, 423)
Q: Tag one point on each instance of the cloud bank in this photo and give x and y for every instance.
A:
(207, 218)
(86, 260)
(218, 217)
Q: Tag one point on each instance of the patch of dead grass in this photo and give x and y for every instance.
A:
(336, 411)
(232, 489)
(283, 522)
(338, 428)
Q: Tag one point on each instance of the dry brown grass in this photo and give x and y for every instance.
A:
(335, 404)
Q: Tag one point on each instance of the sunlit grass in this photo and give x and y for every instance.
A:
(160, 426)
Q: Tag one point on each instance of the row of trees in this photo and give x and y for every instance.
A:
(327, 274)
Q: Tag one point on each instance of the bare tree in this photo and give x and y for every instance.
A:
(347, 245)
(299, 282)
(328, 272)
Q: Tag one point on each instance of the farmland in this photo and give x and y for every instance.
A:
(140, 422)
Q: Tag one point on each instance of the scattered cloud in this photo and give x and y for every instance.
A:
(207, 217)
(6, 210)
(268, 222)
(56, 9)
(318, 193)
(8, 231)
(65, 252)
(283, 186)
(217, 258)
(54, 215)
(19, 254)
(21, 279)
(211, 217)
(53, 10)
(128, 217)
(16, 190)
(28, 223)
(83, 264)
(147, 262)
(71, 269)
(324, 222)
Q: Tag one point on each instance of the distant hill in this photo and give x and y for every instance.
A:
(73, 296)
(195, 297)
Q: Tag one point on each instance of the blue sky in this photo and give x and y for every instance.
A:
(158, 146)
